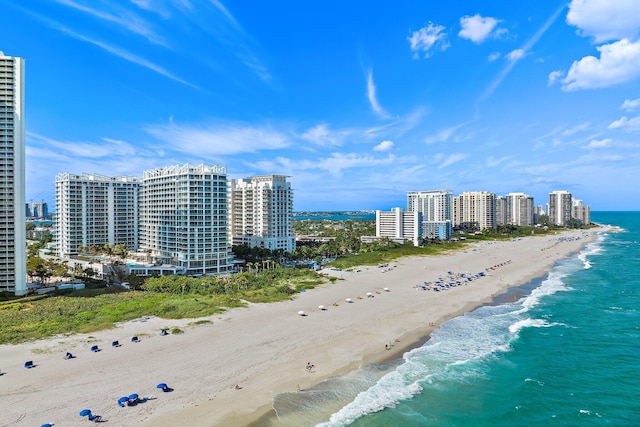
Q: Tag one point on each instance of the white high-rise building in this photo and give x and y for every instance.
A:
(435, 209)
(559, 207)
(399, 226)
(519, 209)
(13, 253)
(581, 211)
(261, 212)
(95, 210)
(476, 210)
(501, 210)
(183, 218)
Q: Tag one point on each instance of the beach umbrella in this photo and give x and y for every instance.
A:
(161, 385)
(85, 412)
(133, 396)
(123, 399)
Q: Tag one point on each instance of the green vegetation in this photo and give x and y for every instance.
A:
(392, 253)
(169, 297)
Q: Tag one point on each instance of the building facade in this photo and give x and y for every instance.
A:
(559, 207)
(37, 210)
(581, 211)
(436, 211)
(399, 226)
(184, 218)
(519, 209)
(475, 210)
(261, 213)
(501, 210)
(13, 253)
(95, 210)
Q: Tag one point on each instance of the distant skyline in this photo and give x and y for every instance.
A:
(357, 103)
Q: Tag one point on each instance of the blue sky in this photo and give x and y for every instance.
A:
(358, 101)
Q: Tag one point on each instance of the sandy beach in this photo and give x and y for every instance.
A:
(264, 348)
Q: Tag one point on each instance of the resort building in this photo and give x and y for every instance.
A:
(435, 209)
(261, 213)
(183, 218)
(559, 207)
(399, 226)
(538, 211)
(580, 211)
(95, 210)
(13, 253)
(501, 210)
(519, 209)
(475, 210)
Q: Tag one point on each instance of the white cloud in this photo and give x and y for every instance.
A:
(451, 159)
(492, 162)
(495, 55)
(619, 62)
(427, 38)
(624, 122)
(605, 20)
(515, 54)
(478, 28)
(384, 146)
(630, 104)
(576, 129)
(598, 143)
(371, 94)
(554, 76)
(443, 135)
(323, 136)
(219, 139)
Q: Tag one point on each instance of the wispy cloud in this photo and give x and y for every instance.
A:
(121, 17)
(598, 143)
(127, 56)
(371, 94)
(323, 136)
(576, 129)
(523, 52)
(427, 38)
(626, 123)
(451, 159)
(445, 134)
(218, 139)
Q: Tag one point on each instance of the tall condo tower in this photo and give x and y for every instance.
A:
(559, 207)
(183, 218)
(13, 253)
(519, 209)
(93, 209)
(476, 209)
(436, 212)
(261, 212)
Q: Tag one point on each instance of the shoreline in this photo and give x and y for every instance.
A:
(263, 348)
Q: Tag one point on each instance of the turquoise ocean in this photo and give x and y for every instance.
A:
(563, 350)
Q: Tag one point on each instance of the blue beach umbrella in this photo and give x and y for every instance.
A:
(161, 385)
(122, 400)
(133, 396)
(85, 412)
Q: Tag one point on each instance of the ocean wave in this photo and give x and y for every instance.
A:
(530, 323)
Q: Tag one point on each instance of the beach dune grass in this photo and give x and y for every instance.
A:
(392, 254)
(169, 297)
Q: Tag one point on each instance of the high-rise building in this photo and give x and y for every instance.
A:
(399, 226)
(581, 211)
(519, 209)
(435, 209)
(37, 210)
(95, 210)
(13, 264)
(476, 210)
(261, 213)
(183, 218)
(559, 207)
(501, 210)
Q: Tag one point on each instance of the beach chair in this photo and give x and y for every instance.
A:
(164, 387)
(115, 344)
(95, 418)
(95, 348)
(29, 364)
(164, 332)
(135, 339)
